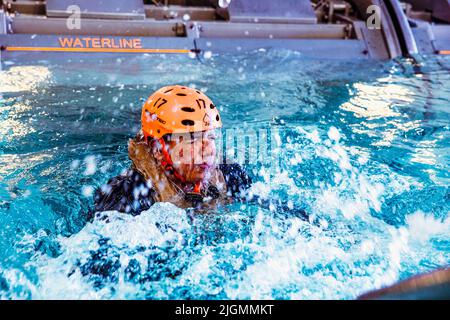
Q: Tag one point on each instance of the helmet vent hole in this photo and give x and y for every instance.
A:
(188, 109)
(187, 122)
(168, 90)
(217, 118)
(212, 106)
(181, 94)
(198, 91)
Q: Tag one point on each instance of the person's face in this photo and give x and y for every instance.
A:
(194, 154)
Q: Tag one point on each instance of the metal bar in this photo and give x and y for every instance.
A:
(317, 48)
(42, 25)
(108, 9)
(404, 33)
(98, 15)
(389, 31)
(272, 31)
(3, 22)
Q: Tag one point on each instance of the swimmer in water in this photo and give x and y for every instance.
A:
(174, 158)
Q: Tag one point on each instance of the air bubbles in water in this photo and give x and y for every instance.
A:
(334, 134)
(75, 164)
(207, 55)
(87, 191)
(91, 165)
(224, 3)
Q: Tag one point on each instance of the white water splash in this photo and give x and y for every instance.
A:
(160, 226)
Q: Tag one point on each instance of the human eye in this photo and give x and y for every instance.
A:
(191, 140)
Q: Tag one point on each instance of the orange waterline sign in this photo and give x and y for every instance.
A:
(98, 44)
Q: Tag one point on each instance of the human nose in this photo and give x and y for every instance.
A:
(208, 147)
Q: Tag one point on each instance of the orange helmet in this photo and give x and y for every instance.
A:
(178, 109)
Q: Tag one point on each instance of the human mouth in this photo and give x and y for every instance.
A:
(204, 166)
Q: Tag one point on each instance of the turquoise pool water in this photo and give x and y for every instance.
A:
(363, 147)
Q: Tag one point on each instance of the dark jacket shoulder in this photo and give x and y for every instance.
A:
(236, 178)
(128, 193)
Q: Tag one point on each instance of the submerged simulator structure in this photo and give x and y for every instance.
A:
(373, 29)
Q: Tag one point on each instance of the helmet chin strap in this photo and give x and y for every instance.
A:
(167, 164)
